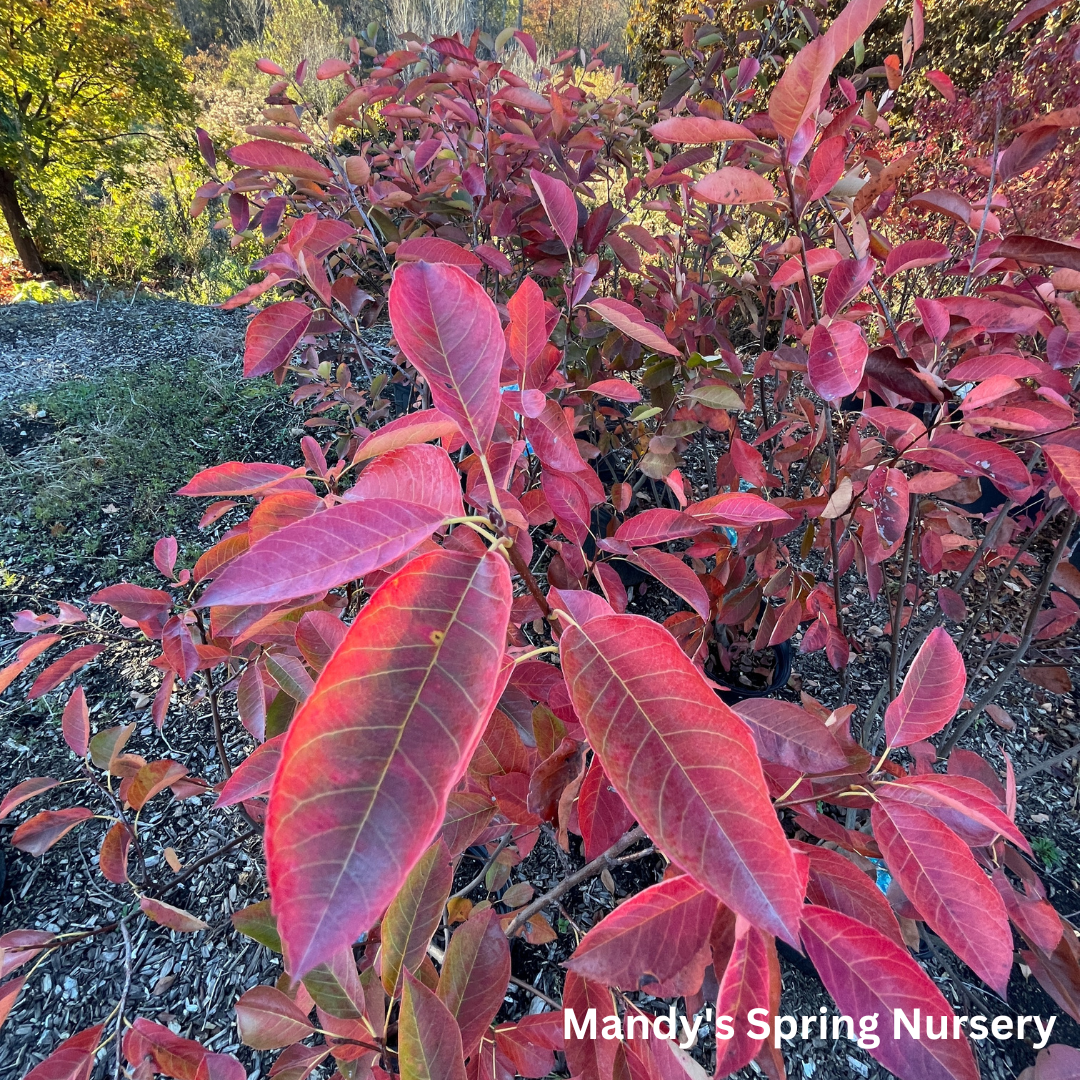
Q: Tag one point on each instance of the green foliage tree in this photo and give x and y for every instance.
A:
(82, 83)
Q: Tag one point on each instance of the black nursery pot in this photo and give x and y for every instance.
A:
(735, 692)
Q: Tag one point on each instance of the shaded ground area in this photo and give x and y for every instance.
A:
(103, 414)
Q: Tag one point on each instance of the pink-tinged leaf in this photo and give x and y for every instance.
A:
(411, 430)
(521, 97)
(152, 779)
(75, 723)
(738, 510)
(173, 917)
(62, 669)
(587, 1057)
(626, 318)
(1057, 1062)
(602, 814)
(887, 493)
(559, 204)
(165, 551)
(837, 360)
(474, 976)
(846, 280)
(179, 648)
(528, 323)
(995, 316)
(657, 527)
(414, 915)
(433, 249)
(649, 939)
(18, 947)
(113, 856)
(744, 985)
(699, 129)
(785, 733)
(826, 167)
(836, 883)
(943, 201)
(28, 652)
(271, 339)
(467, 815)
(913, 254)
(448, 327)
(9, 991)
(290, 674)
(170, 1054)
(931, 692)
(27, 789)
(73, 1059)
(274, 157)
(616, 390)
(220, 1067)
(266, 1019)
(683, 763)
(37, 835)
(429, 1040)
(371, 757)
(1064, 465)
(494, 258)
(865, 973)
(819, 260)
(253, 775)
(318, 634)
(1032, 10)
(671, 571)
(162, 698)
(966, 455)
(1038, 251)
(551, 437)
(935, 319)
(732, 186)
(942, 84)
(324, 551)
(234, 478)
(940, 876)
(268, 67)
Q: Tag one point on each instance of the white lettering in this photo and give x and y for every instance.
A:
(725, 1029)
(978, 1028)
(913, 1026)
(669, 1020)
(691, 1032)
(586, 1030)
(1001, 1027)
(1044, 1032)
(781, 1025)
(759, 1029)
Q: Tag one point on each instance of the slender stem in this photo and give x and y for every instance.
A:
(989, 200)
(508, 836)
(118, 1071)
(591, 869)
(200, 863)
(519, 564)
(905, 568)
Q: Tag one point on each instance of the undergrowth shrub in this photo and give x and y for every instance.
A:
(709, 350)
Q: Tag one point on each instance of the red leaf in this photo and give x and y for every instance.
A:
(179, 648)
(271, 339)
(73, 1059)
(626, 318)
(528, 323)
(865, 973)
(1057, 1062)
(448, 327)
(966, 455)
(683, 763)
(433, 249)
(9, 991)
(819, 260)
(616, 390)
(413, 916)
(913, 254)
(21, 792)
(826, 167)
(75, 723)
(162, 698)
(467, 814)
(942, 84)
(837, 360)
(170, 1054)
(848, 278)
(671, 571)
(887, 493)
(410, 430)
(173, 917)
(739, 510)
(429, 1041)
(152, 779)
(318, 634)
(699, 129)
(788, 735)
(28, 652)
(940, 876)
(523, 98)
(18, 947)
(61, 669)
(113, 857)
(371, 757)
(931, 692)
(744, 985)
(1064, 465)
(267, 1019)
(413, 490)
(274, 157)
(836, 883)
(43, 830)
(657, 527)
(1031, 11)
(233, 478)
(252, 776)
(649, 939)
(589, 1058)
(732, 186)
(474, 975)
(943, 201)
(559, 205)
(602, 815)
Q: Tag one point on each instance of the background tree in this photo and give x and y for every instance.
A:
(81, 81)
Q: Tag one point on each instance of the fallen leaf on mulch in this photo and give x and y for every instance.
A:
(1054, 679)
(1001, 717)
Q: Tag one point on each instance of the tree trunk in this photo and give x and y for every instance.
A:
(18, 225)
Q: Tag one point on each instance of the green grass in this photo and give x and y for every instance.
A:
(95, 496)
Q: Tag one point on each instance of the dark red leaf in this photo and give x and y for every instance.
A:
(931, 692)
